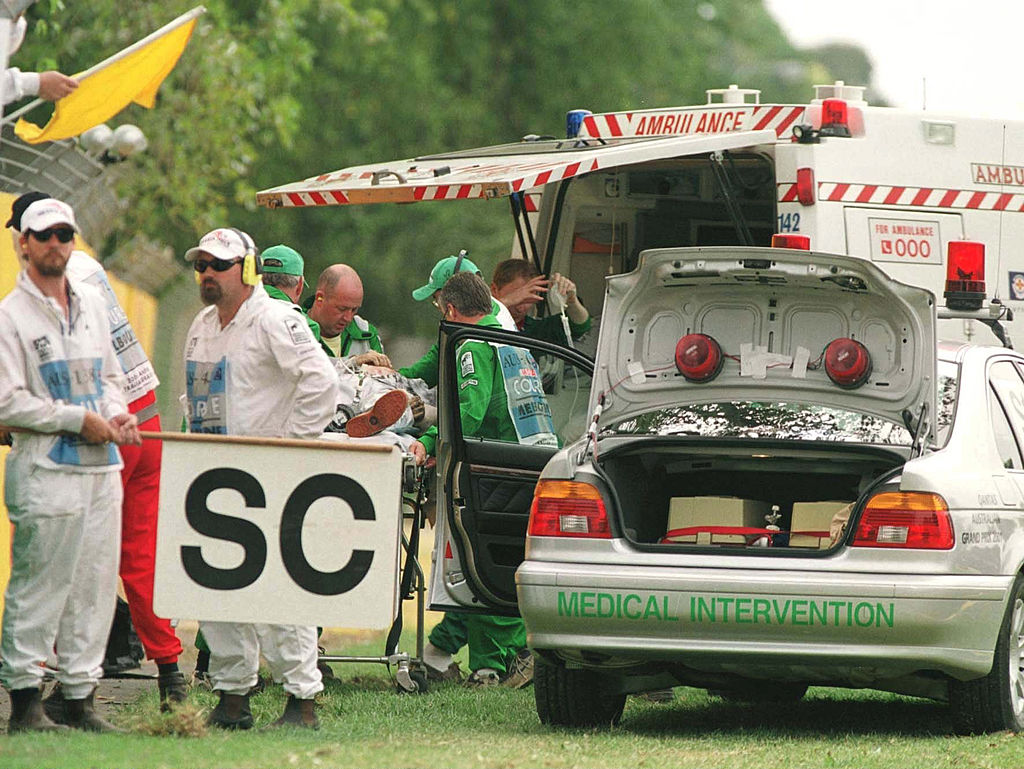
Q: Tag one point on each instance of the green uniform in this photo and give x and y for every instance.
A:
(484, 407)
(548, 329)
(359, 336)
(275, 293)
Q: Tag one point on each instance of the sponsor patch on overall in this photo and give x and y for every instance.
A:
(466, 364)
(298, 330)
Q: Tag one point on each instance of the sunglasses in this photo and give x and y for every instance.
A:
(64, 234)
(218, 265)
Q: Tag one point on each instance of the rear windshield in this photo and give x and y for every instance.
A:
(791, 421)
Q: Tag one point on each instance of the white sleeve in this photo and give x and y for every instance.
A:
(15, 84)
(113, 402)
(302, 361)
(19, 407)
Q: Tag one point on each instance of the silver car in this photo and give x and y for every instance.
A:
(776, 482)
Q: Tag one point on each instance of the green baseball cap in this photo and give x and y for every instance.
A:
(283, 260)
(440, 274)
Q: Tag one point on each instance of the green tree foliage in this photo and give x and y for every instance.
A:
(228, 102)
(273, 91)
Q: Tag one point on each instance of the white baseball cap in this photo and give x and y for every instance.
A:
(222, 243)
(44, 214)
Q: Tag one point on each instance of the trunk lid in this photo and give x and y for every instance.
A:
(773, 312)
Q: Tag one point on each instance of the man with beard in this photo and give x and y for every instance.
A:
(60, 380)
(252, 367)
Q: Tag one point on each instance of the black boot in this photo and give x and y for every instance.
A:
(53, 705)
(81, 714)
(232, 712)
(173, 690)
(27, 714)
(298, 712)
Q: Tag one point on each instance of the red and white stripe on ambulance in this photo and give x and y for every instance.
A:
(695, 120)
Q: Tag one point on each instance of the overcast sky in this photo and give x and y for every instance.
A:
(968, 53)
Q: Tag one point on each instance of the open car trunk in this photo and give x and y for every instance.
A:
(764, 499)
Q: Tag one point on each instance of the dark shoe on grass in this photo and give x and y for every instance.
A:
(173, 690)
(451, 673)
(81, 714)
(232, 712)
(28, 715)
(520, 672)
(300, 713)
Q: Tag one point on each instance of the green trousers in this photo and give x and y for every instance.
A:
(493, 641)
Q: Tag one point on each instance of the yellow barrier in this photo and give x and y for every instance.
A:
(138, 305)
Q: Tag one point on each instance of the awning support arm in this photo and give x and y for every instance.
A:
(722, 177)
(518, 202)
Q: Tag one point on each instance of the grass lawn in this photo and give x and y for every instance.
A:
(365, 723)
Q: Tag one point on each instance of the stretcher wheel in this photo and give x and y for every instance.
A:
(416, 683)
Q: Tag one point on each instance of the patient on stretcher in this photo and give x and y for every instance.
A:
(376, 400)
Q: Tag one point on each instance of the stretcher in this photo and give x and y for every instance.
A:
(407, 670)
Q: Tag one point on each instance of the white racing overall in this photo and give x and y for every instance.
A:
(63, 495)
(262, 375)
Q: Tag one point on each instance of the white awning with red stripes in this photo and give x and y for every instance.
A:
(492, 172)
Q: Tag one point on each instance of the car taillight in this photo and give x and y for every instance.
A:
(916, 520)
(568, 509)
(698, 357)
(787, 240)
(847, 363)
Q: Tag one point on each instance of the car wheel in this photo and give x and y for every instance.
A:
(762, 691)
(995, 702)
(574, 697)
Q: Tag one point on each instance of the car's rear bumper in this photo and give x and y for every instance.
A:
(834, 625)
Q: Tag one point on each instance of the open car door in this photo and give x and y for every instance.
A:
(485, 483)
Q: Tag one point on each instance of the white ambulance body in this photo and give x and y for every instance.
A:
(891, 185)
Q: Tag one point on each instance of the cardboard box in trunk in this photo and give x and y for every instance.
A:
(684, 512)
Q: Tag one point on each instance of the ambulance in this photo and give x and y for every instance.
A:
(894, 186)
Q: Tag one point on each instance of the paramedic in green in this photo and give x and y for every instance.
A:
(335, 305)
(486, 411)
(283, 279)
(426, 367)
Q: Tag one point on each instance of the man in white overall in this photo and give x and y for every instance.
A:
(59, 378)
(252, 367)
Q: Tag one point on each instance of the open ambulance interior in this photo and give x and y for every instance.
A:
(584, 207)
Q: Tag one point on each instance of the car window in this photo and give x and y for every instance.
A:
(792, 421)
(516, 395)
(1009, 452)
(949, 375)
(1009, 389)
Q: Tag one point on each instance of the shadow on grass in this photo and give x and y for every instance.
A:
(827, 713)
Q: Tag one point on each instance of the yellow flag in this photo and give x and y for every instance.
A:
(133, 78)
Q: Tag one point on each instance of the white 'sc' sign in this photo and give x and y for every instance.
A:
(284, 532)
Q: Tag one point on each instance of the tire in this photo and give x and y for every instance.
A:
(762, 692)
(574, 697)
(995, 702)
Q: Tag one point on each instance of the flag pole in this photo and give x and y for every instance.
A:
(199, 10)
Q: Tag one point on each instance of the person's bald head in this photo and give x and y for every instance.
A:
(339, 295)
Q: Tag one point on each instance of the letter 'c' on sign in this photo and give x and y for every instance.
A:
(295, 509)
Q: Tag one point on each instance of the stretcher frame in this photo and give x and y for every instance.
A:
(409, 671)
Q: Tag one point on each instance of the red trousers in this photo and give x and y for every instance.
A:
(141, 481)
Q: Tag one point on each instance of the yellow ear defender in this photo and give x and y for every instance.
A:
(252, 265)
